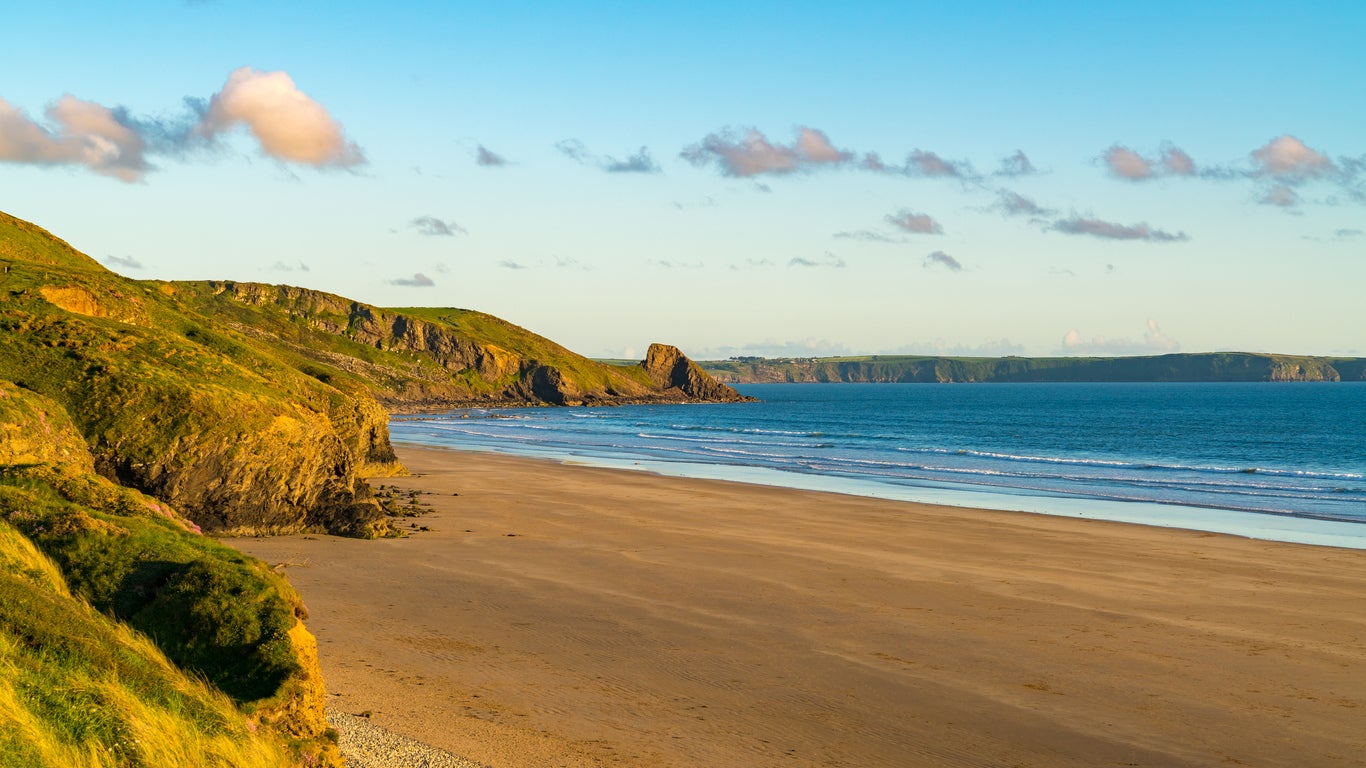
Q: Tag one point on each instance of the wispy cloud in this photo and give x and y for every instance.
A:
(82, 133)
(510, 264)
(434, 227)
(127, 262)
(1016, 165)
(1154, 342)
(915, 223)
(418, 280)
(1280, 195)
(571, 263)
(869, 235)
(753, 264)
(1014, 204)
(1079, 225)
(928, 164)
(280, 266)
(488, 158)
(640, 162)
(943, 259)
(749, 153)
(829, 260)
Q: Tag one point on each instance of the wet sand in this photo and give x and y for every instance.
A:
(560, 615)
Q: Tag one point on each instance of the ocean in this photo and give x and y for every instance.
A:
(1282, 461)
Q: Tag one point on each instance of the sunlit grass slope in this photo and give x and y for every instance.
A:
(79, 690)
(89, 571)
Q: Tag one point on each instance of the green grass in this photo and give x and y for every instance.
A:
(211, 609)
(79, 689)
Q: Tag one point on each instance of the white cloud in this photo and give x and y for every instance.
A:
(288, 124)
(1287, 157)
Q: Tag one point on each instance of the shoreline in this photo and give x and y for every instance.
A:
(559, 614)
(1291, 529)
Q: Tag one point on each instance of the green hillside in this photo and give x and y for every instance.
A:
(414, 358)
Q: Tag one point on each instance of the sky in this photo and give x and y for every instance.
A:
(777, 179)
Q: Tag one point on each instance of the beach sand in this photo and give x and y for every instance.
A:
(561, 615)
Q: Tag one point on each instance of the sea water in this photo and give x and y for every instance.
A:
(1282, 461)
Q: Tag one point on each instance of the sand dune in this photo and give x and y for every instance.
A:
(560, 615)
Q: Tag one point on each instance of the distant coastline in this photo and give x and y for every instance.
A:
(906, 369)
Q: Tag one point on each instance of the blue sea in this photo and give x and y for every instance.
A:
(1268, 460)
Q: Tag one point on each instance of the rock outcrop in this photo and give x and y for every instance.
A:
(670, 370)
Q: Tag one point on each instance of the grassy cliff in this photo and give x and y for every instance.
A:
(89, 571)
(1212, 366)
(420, 358)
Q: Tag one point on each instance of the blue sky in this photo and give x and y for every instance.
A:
(777, 178)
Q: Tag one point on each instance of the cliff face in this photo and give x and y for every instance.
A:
(416, 359)
(1220, 366)
(200, 416)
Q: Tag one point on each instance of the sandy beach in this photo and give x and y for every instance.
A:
(562, 615)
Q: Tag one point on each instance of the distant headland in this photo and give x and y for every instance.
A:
(1195, 367)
